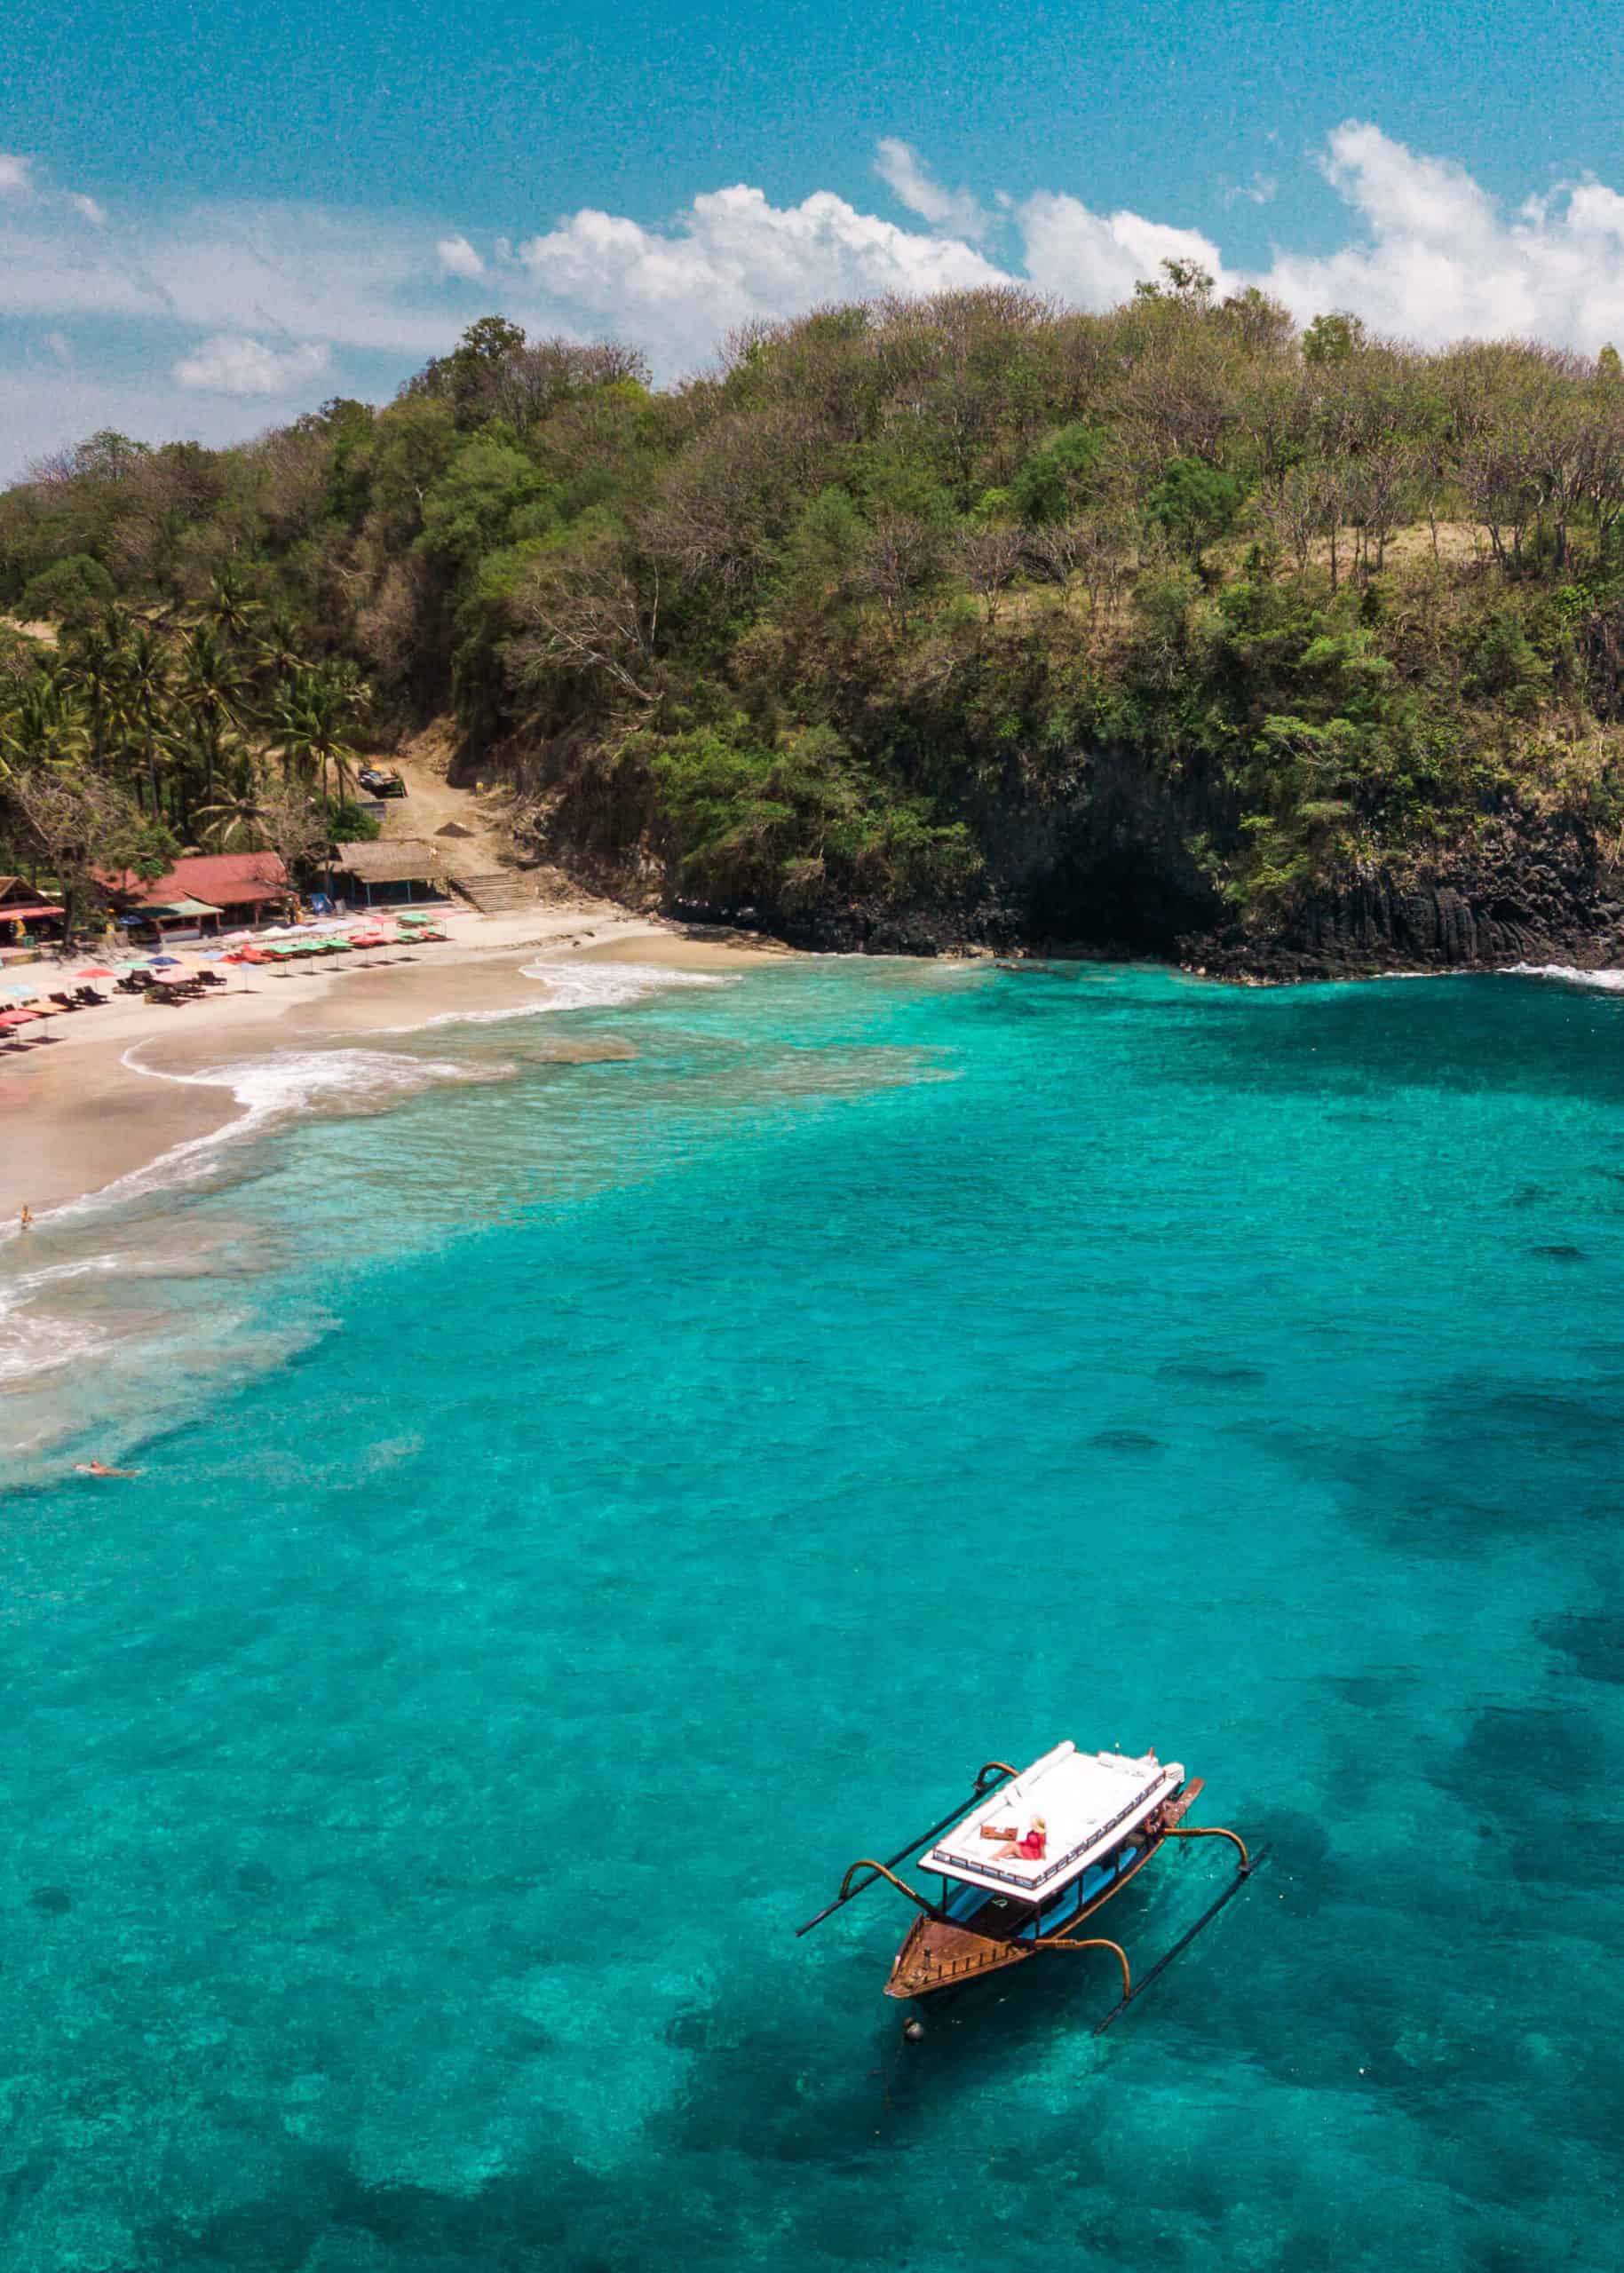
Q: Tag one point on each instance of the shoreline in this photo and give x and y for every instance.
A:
(115, 1089)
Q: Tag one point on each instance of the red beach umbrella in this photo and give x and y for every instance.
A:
(19, 1017)
(96, 970)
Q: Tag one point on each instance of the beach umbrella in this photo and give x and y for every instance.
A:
(158, 962)
(96, 971)
(19, 1017)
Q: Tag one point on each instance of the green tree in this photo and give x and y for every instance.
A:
(1196, 504)
(1054, 480)
(81, 825)
(316, 718)
(1332, 339)
(148, 682)
(96, 658)
(208, 690)
(68, 589)
(44, 727)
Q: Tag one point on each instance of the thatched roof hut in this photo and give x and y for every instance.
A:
(397, 868)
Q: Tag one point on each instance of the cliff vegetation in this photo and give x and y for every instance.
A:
(1173, 629)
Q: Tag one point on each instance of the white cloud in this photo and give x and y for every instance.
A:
(232, 363)
(912, 184)
(732, 257)
(1096, 258)
(1436, 259)
(458, 257)
(1258, 191)
(1442, 262)
(211, 308)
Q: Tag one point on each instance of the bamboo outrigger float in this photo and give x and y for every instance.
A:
(1041, 1850)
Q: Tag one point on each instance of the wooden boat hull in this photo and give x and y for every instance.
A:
(940, 1954)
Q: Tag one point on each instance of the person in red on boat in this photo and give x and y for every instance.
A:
(1034, 1846)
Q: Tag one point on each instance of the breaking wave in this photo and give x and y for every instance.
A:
(276, 1087)
(609, 985)
(1602, 982)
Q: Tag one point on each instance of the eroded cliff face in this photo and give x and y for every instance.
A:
(1532, 889)
(1105, 867)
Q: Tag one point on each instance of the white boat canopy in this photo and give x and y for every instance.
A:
(1089, 1801)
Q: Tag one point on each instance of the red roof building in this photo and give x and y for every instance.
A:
(244, 887)
(20, 903)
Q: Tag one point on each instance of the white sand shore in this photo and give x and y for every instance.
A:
(75, 1115)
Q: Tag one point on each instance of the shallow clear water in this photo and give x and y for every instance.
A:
(626, 1491)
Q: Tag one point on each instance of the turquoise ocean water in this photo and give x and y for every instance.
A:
(585, 1505)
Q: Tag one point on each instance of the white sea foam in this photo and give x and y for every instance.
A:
(32, 1343)
(571, 986)
(609, 985)
(272, 1089)
(1602, 982)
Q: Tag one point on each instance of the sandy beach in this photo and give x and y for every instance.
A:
(90, 1104)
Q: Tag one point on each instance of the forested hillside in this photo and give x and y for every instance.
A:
(907, 624)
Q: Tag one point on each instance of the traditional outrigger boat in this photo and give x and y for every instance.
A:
(1041, 1850)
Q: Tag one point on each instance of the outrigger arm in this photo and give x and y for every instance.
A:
(991, 1773)
(1247, 1865)
(994, 1772)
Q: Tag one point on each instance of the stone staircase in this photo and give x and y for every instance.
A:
(494, 891)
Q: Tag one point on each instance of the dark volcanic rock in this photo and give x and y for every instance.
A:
(1532, 890)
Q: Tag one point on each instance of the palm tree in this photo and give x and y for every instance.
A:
(146, 691)
(316, 713)
(317, 710)
(211, 685)
(97, 659)
(235, 821)
(278, 653)
(230, 612)
(46, 725)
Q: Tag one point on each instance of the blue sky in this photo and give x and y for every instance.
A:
(212, 217)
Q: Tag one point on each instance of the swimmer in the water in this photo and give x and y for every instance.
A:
(101, 1468)
(25, 1222)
